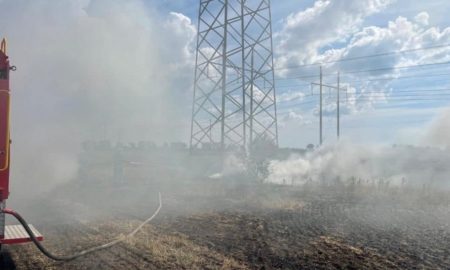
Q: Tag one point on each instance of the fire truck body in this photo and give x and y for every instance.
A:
(4, 133)
(12, 234)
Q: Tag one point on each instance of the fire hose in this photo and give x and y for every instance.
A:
(84, 252)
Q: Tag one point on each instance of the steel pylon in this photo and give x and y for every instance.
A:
(234, 89)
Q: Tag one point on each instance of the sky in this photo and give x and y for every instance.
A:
(390, 106)
(123, 71)
(377, 111)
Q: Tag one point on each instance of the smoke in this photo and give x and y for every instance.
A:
(232, 166)
(439, 132)
(372, 164)
(91, 70)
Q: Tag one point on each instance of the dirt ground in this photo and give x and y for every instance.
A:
(251, 226)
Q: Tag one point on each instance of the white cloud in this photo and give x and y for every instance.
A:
(293, 118)
(400, 34)
(291, 115)
(331, 30)
(422, 18)
(306, 32)
(291, 96)
(183, 33)
(356, 41)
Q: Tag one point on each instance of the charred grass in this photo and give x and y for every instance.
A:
(258, 226)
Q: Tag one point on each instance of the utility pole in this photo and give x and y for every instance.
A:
(338, 109)
(321, 101)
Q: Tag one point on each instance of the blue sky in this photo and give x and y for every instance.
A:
(384, 111)
(157, 39)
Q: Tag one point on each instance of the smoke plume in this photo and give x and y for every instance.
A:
(425, 165)
(439, 132)
(91, 70)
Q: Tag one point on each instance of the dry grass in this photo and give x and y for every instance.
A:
(149, 249)
(268, 227)
(182, 252)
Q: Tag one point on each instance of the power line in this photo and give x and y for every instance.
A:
(373, 80)
(399, 96)
(365, 56)
(296, 85)
(421, 92)
(411, 93)
(401, 77)
(402, 99)
(365, 97)
(299, 103)
(367, 70)
(294, 99)
(376, 99)
(394, 68)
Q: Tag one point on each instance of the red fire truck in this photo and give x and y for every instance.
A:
(9, 234)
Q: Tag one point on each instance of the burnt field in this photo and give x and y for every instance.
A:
(220, 225)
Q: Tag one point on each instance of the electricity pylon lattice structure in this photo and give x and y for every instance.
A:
(234, 90)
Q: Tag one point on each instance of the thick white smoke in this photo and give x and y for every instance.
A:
(398, 165)
(369, 164)
(89, 70)
(439, 132)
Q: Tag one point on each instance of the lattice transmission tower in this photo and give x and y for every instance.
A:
(234, 89)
